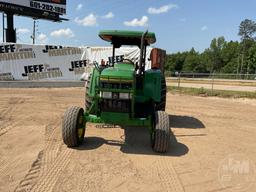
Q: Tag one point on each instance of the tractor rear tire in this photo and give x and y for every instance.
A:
(161, 105)
(160, 137)
(73, 126)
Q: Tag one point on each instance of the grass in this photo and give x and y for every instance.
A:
(207, 92)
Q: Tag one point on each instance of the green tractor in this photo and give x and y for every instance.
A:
(124, 93)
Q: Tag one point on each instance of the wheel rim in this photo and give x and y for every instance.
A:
(80, 128)
(80, 132)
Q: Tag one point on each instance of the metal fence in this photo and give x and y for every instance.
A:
(211, 75)
(213, 81)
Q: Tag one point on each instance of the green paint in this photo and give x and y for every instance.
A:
(127, 37)
(93, 119)
(122, 119)
(120, 72)
(146, 93)
(152, 85)
(93, 92)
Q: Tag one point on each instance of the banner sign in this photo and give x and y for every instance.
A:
(55, 6)
(39, 9)
(47, 62)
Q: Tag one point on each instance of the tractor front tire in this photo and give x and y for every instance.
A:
(160, 137)
(73, 127)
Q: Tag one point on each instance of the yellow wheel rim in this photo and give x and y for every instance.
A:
(80, 132)
(80, 120)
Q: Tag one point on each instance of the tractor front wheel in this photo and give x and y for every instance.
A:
(160, 136)
(73, 126)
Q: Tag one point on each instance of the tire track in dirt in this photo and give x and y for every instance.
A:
(45, 170)
(39, 166)
(31, 177)
(39, 179)
(7, 115)
(52, 143)
(158, 167)
(47, 181)
(8, 169)
(160, 170)
(168, 176)
(12, 104)
(8, 165)
(9, 126)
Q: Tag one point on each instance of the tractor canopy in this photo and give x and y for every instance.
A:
(119, 38)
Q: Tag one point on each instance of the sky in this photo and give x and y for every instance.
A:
(179, 24)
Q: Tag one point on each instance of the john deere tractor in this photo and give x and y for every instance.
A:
(124, 93)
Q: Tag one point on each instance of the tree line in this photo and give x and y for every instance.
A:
(236, 57)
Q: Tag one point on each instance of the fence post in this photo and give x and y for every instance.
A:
(179, 81)
(212, 83)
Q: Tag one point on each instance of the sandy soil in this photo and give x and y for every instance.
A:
(207, 132)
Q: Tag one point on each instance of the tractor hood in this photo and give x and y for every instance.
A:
(120, 72)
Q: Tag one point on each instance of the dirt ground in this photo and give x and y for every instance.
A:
(208, 133)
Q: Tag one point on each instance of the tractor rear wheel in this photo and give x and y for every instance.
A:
(73, 126)
(160, 137)
(161, 105)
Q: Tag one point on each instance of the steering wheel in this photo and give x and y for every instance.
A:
(129, 61)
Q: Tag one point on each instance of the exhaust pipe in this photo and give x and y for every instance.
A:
(142, 51)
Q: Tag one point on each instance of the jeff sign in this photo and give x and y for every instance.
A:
(47, 62)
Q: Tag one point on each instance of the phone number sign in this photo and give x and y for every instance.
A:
(52, 6)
